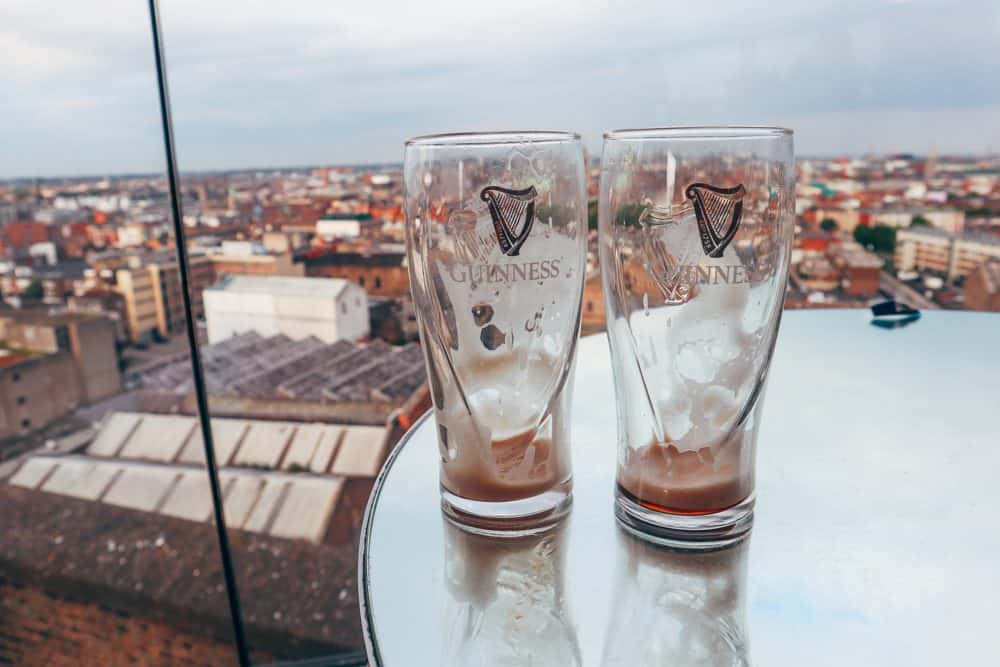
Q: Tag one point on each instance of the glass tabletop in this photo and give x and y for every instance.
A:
(875, 539)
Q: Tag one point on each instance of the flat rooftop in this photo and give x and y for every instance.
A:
(45, 317)
(278, 478)
(281, 285)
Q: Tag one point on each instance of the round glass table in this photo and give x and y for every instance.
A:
(876, 539)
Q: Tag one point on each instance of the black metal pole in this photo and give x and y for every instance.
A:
(173, 182)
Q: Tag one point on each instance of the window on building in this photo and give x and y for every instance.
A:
(25, 423)
(62, 338)
(361, 281)
(20, 400)
(378, 282)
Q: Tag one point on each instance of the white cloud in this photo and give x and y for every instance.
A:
(257, 82)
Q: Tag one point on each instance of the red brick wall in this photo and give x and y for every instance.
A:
(23, 234)
(392, 281)
(37, 628)
(978, 295)
(862, 282)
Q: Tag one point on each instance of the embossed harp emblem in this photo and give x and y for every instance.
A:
(513, 213)
(718, 211)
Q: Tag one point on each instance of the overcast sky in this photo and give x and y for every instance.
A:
(313, 81)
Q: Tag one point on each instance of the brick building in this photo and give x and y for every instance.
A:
(256, 265)
(54, 363)
(35, 390)
(859, 269)
(593, 305)
(982, 287)
(150, 285)
(22, 234)
(379, 273)
(954, 255)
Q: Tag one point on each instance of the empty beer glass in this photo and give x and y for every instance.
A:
(695, 234)
(496, 231)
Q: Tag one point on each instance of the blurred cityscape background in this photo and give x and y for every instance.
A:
(300, 291)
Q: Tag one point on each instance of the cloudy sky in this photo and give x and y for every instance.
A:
(272, 84)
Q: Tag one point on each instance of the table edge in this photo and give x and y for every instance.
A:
(364, 597)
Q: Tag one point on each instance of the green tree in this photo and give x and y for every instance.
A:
(879, 238)
(592, 214)
(34, 290)
(829, 225)
(628, 215)
(919, 221)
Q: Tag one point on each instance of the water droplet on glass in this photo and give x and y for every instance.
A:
(645, 303)
(482, 314)
(492, 337)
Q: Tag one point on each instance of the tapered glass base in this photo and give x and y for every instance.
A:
(514, 518)
(684, 531)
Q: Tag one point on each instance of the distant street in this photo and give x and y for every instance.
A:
(903, 292)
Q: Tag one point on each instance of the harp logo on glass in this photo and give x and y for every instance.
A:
(513, 213)
(718, 211)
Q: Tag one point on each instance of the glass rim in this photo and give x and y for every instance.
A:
(698, 132)
(459, 139)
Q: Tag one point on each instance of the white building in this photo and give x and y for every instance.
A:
(329, 308)
(954, 255)
(333, 228)
(950, 220)
(242, 248)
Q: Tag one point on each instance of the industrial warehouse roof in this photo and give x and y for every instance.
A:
(295, 593)
(281, 285)
(278, 478)
(250, 365)
(125, 521)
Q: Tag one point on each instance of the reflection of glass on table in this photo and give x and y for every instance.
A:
(677, 608)
(506, 601)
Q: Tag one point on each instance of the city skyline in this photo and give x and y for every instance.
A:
(333, 85)
(388, 166)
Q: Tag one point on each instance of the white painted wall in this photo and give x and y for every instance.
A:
(338, 229)
(297, 316)
(354, 324)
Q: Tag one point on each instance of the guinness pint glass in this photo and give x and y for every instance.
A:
(695, 234)
(496, 243)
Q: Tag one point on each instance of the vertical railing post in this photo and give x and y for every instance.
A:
(173, 183)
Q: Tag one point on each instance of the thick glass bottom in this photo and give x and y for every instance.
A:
(687, 531)
(514, 518)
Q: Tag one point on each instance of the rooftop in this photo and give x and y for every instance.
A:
(278, 478)
(253, 366)
(281, 285)
(67, 268)
(14, 357)
(368, 259)
(46, 317)
(173, 570)
(932, 232)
